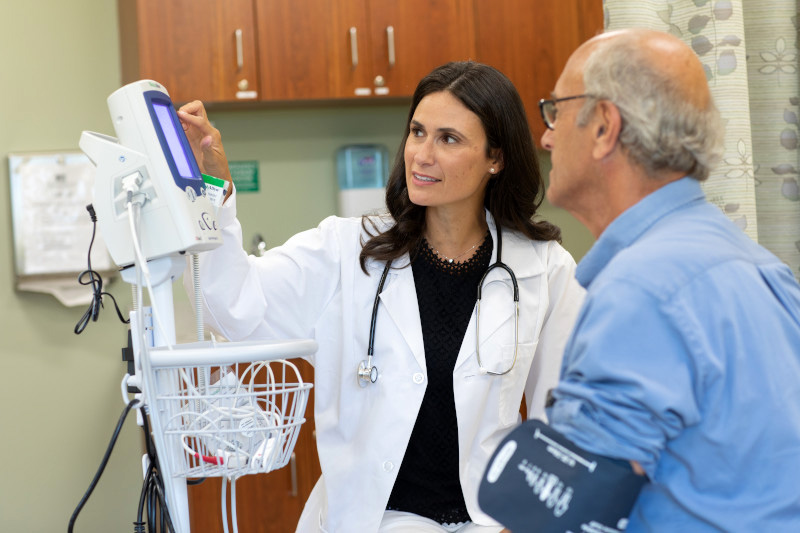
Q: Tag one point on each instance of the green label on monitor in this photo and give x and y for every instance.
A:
(245, 175)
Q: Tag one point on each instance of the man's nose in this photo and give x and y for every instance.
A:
(547, 139)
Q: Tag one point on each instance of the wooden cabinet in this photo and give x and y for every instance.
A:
(318, 49)
(266, 503)
(305, 50)
(410, 38)
(276, 50)
(531, 40)
(197, 49)
(298, 50)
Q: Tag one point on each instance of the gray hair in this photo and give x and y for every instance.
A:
(660, 128)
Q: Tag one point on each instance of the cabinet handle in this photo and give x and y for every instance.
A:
(390, 39)
(293, 473)
(353, 46)
(239, 50)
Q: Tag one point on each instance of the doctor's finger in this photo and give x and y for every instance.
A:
(195, 121)
(195, 108)
(199, 131)
(194, 124)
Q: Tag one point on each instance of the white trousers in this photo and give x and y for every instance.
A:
(400, 522)
(311, 520)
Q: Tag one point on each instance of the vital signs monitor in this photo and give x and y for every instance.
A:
(152, 160)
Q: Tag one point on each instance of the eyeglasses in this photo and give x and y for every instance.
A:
(549, 111)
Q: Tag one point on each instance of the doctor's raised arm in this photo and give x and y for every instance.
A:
(434, 318)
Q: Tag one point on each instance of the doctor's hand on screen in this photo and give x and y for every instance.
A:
(205, 140)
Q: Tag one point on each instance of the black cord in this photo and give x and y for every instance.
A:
(96, 281)
(103, 464)
(139, 525)
(153, 501)
(152, 498)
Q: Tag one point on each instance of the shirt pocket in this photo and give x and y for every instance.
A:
(512, 384)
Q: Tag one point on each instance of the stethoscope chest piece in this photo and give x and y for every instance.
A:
(367, 372)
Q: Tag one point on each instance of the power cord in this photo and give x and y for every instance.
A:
(152, 497)
(103, 464)
(96, 281)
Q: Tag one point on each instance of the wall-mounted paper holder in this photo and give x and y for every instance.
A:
(51, 226)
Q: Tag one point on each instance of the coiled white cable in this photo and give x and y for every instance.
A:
(198, 314)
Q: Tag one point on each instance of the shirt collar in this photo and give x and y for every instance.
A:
(632, 223)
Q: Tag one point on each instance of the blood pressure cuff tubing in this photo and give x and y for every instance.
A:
(537, 480)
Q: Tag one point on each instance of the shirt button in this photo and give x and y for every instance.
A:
(419, 378)
(388, 465)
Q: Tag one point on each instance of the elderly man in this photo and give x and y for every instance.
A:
(685, 359)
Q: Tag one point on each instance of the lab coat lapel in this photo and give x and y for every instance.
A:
(399, 297)
(497, 301)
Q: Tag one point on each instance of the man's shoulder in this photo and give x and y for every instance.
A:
(684, 246)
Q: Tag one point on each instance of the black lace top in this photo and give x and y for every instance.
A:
(428, 482)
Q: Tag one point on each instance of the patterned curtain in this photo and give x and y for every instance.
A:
(749, 49)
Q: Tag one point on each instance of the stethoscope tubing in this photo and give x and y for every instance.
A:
(374, 320)
(497, 264)
(367, 372)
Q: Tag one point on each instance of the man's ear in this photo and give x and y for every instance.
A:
(606, 125)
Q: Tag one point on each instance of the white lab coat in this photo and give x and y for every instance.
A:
(313, 287)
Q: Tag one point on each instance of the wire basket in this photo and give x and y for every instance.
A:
(227, 418)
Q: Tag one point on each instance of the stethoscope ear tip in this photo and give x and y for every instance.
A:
(482, 371)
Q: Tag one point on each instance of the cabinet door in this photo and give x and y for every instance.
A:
(312, 49)
(266, 503)
(412, 37)
(197, 49)
(531, 40)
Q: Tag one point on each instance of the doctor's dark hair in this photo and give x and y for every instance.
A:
(512, 195)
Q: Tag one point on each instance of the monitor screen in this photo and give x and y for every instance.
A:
(173, 141)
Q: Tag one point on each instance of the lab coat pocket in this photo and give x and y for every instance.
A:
(512, 385)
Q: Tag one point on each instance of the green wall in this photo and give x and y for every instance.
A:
(60, 393)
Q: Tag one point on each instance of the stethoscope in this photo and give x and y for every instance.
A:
(368, 372)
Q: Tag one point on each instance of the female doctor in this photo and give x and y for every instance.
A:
(405, 434)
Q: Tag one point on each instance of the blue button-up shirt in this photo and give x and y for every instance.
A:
(686, 358)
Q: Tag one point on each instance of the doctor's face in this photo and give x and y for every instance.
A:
(446, 155)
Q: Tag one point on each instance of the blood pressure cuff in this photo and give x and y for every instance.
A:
(539, 481)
